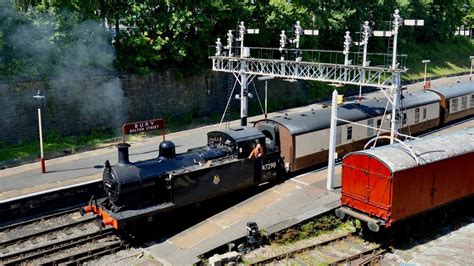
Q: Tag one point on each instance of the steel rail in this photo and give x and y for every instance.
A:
(53, 247)
(26, 222)
(300, 250)
(43, 232)
(376, 250)
(355, 256)
(446, 126)
(376, 256)
(40, 204)
(90, 253)
(109, 249)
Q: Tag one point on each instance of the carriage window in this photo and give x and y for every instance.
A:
(472, 100)
(417, 115)
(464, 102)
(424, 113)
(379, 122)
(349, 133)
(404, 118)
(370, 131)
(454, 105)
(338, 136)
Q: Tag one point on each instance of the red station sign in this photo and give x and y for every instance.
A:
(143, 126)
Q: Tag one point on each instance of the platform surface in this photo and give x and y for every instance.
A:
(86, 166)
(279, 207)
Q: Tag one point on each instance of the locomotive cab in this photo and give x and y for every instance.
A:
(242, 141)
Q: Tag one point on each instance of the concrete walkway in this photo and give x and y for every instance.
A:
(279, 207)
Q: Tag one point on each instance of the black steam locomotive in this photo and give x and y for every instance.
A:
(143, 189)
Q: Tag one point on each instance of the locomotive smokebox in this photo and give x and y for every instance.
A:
(123, 153)
(167, 150)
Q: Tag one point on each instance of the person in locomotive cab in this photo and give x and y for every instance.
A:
(257, 152)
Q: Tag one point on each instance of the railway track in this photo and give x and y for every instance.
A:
(346, 249)
(27, 207)
(445, 127)
(65, 237)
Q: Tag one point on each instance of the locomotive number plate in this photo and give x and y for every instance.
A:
(269, 166)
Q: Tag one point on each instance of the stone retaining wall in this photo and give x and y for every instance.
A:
(78, 105)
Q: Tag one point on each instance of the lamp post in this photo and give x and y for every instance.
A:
(39, 97)
(266, 79)
(426, 67)
(472, 63)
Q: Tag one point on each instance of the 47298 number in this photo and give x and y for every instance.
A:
(269, 166)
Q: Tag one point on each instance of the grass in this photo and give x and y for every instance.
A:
(314, 227)
(446, 58)
(54, 145)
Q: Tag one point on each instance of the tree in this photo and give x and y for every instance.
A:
(444, 17)
(154, 34)
(48, 41)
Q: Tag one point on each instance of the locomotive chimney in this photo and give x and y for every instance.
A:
(123, 153)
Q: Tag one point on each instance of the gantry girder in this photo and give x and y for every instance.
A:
(334, 73)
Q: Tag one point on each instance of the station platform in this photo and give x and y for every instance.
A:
(87, 166)
(279, 207)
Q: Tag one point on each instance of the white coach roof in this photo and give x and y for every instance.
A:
(399, 157)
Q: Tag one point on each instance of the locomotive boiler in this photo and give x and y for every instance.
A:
(135, 184)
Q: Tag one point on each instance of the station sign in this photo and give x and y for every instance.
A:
(143, 126)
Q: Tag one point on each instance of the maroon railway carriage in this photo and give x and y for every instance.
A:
(391, 183)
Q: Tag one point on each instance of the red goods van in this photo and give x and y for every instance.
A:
(387, 184)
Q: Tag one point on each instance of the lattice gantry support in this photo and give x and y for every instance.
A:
(364, 75)
(335, 73)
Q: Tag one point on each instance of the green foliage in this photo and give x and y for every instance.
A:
(317, 90)
(155, 34)
(312, 228)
